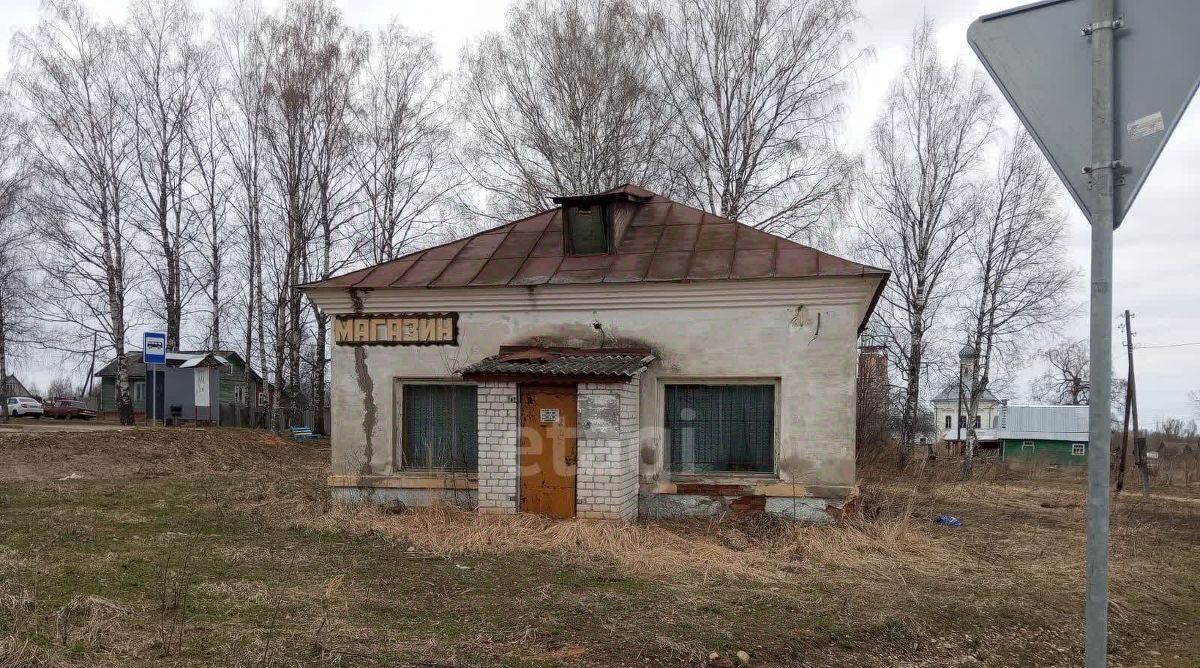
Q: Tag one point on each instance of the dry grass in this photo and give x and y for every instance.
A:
(282, 576)
(87, 618)
(156, 452)
(882, 548)
(20, 653)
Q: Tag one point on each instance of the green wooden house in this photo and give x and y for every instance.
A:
(1050, 434)
(240, 393)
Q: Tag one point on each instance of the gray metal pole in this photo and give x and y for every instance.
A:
(1099, 437)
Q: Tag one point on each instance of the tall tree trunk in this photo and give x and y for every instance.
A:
(3, 358)
(912, 391)
(319, 371)
(214, 337)
(280, 346)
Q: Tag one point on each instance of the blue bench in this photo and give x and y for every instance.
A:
(302, 433)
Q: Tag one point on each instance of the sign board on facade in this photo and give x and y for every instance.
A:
(202, 396)
(602, 413)
(413, 329)
(549, 416)
(1157, 65)
(154, 348)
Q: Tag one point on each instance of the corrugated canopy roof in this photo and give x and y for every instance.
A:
(572, 363)
(664, 241)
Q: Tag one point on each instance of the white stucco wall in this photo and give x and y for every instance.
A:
(989, 417)
(801, 332)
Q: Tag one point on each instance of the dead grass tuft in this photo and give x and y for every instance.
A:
(19, 653)
(96, 614)
(771, 549)
(241, 592)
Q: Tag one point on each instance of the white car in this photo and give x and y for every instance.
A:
(18, 406)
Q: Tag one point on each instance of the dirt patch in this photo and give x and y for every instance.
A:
(142, 453)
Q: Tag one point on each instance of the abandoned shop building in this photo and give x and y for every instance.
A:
(619, 353)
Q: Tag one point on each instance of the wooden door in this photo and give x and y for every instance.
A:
(548, 450)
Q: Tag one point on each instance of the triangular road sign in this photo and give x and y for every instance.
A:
(1042, 60)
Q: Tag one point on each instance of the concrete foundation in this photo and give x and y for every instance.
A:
(466, 498)
(663, 506)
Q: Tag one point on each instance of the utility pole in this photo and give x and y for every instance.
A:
(1139, 441)
(1102, 171)
(1128, 403)
(87, 382)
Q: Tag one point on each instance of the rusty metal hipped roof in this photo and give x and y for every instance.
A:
(576, 363)
(664, 241)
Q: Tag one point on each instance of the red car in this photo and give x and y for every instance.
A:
(66, 409)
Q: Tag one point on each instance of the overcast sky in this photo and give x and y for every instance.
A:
(1154, 276)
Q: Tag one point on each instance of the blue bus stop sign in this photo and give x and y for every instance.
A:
(154, 348)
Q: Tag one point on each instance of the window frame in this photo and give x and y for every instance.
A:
(397, 467)
(664, 445)
(1028, 445)
(1082, 449)
(605, 222)
(949, 421)
(139, 390)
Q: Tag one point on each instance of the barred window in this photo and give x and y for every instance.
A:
(440, 427)
(721, 428)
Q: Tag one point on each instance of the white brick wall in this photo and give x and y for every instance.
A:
(607, 471)
(498, 442)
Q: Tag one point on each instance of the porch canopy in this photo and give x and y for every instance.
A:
(561, 365)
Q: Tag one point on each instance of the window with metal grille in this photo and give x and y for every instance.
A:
(721, 428)
(440, 427)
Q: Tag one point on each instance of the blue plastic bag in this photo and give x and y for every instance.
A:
(948, 520)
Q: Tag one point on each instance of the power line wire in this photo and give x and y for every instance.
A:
(1168, 345)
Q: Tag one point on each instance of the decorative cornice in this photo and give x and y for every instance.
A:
(840, 290)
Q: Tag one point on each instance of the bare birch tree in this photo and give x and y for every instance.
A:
(336, 190)
(1021, 275)
(308, 43)
(16, 268)
(754, 90)
(243, 48)
(404, 140)
(162, 65)
(209, 198)
(560, 101)
(918, 206)
(1067, 380)
(68, 74)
